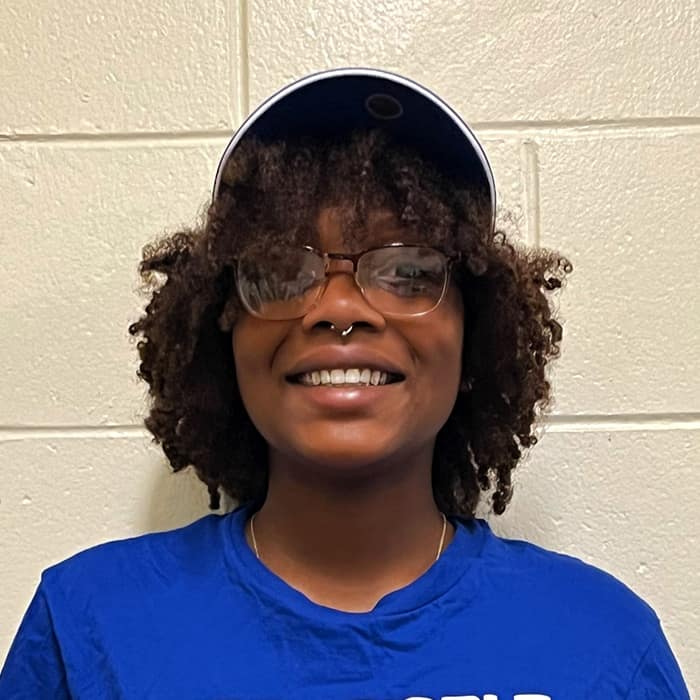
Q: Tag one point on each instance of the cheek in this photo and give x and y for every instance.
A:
(450, 335)
(446, 357)
(438, 346)
(242, 352)
(253, 347)
(252, 350)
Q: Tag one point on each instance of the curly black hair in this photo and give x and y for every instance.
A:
(270, 195)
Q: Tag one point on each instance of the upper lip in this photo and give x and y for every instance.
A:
(344, 358)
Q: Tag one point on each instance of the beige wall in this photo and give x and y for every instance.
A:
(112, 120)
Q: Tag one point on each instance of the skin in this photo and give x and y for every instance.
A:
(341, 480)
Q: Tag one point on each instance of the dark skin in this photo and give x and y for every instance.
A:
(198, 415)
(341, 480)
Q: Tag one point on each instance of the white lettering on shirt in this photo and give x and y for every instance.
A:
(488, 696)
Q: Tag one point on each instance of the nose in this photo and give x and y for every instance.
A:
(342, 303)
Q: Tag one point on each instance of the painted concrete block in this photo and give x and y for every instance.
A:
(65, 493)
(623, 208)
(76, 219)
(624, 501)
(92, 67)
(513, 61)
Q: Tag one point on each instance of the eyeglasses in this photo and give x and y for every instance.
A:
(396, 279)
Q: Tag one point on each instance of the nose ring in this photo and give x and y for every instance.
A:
(347, 331)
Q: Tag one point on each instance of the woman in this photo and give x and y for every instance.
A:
(349, 350)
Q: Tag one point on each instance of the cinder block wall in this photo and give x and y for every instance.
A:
(112, 120)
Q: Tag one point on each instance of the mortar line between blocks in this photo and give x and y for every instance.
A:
(531, 171)
(243, 64)
(630, 422)
(232, 48)
(486, 130)
(577, 128)
(71, 432)
(642, 422)
(163, 139)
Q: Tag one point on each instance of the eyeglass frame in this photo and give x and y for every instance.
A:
(355, 258)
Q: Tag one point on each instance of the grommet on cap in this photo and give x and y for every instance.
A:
(383, 106)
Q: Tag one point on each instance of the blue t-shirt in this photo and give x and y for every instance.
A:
(192, 613)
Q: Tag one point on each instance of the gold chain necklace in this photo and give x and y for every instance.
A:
(442, 538)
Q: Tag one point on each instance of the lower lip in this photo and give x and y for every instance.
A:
(346, 397)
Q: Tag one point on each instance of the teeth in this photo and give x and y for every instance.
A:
(335, 377)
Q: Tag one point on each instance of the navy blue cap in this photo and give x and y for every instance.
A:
(333, 102)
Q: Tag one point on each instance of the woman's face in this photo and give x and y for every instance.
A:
(356, 427)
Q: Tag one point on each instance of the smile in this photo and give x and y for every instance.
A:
(337, 378)
(352, 398)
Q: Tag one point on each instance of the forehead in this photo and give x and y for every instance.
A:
(334, 233)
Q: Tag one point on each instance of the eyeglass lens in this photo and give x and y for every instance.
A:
(285, 283)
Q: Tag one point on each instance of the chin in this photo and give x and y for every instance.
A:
(348, 458)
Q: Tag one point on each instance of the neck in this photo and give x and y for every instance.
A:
(355, 531)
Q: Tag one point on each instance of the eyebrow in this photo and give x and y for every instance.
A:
(397, 234)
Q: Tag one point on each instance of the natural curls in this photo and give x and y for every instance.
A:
(270, 194)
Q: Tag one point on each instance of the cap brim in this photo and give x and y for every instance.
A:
(335, 101)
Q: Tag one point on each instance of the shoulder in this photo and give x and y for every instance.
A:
(569, 591)
(188, 551)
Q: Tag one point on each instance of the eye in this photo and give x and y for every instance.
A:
(411, 271)
(408, 272)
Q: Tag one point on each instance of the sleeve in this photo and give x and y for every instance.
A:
(658, 676)
(34, 667)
